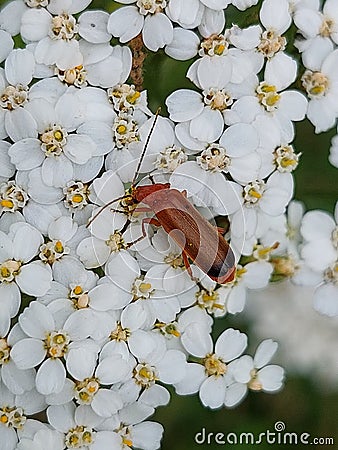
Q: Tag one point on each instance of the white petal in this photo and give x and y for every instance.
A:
(34, 278)
(214, 72)
(79, 148)
(234, 394)
(28, 353)
(112, 370)
(271, 377)
(106, 403)
(20, 124)
(125, 23)
(37, 320)
(157, 31)
(93, 252)
(184, 104)
(19, 67)
(196, 340)
(325, 300)
(265, 352)
(275, 14)
(93, 26)
(26, 154)
(50, 377)
(81, 363)
(207, 126)
(239, 139)
(57, 172)
(183, 46)
(35, 24)
(317, 225)
(212, 392)
(230, 344)
(26, 241)
(280, 71)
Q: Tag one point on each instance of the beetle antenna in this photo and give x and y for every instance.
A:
(145, 146)
(102, 209)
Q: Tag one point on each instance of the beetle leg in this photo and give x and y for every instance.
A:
(151, 221)
(221, 230)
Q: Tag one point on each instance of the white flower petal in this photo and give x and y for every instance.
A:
(26, 241)
(325, 300)
(26, 154)
(230, 344)
(57, 172)
(28, 353)
(271, 377)
(212, 392)
(265, 352)
(157, 31)
(37, 320)
(34, 278)
(184, 104)
(50, 377)
(207, 126)
(93, 26)
(125, 23)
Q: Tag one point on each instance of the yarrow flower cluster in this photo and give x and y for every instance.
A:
(100, 307)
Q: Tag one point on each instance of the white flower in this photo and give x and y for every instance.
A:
(63, 238)
(262, 199)
(333, 157)
(16, 380)
(321, 86)
(281, 107)
(320, 232)
(255, 374)
(146, 17)
(320, 254)
(56, 31)
(17, 270)
(319, 30)
(47, 344)
(50, 141)
(211, 376)
(6, 44)
(14, 91)
(42, 438)
(13, 412)
(80, 425)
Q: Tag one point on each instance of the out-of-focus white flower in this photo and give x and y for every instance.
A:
(321, 86)
(300, 349)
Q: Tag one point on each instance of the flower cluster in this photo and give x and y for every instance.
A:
(100, 307)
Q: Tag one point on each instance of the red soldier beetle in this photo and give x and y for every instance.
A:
(200, 241)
